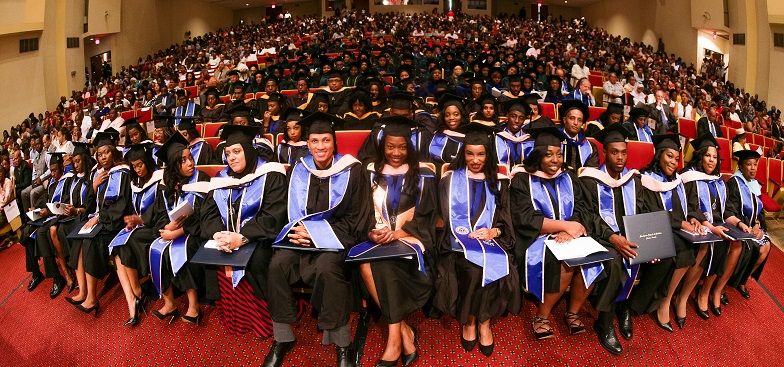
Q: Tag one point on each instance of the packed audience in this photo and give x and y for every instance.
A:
(460, 172)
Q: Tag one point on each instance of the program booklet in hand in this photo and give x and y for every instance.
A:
(183, 208)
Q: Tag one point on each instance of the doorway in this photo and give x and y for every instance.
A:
(97, 67)
(539, 12)
(274, 13)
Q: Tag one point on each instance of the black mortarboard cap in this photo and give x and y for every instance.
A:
(276, 97)
(170, 151)
(56, 157)
(334, 73)
(110, 136)
(163, 121)
(138, 151)
(746, 154)
(664, 141)
(517, 104)
(182, 93)
(187, 122)
(319, 96)
(613, 108)
(320, 123)
(549, 136)
(449, 99)
(213, 92)
(532, 99)
(238, 134)
(397, 126)
(571, 104)
(400, 100)
(477, 133)
(131, 122)
(704, 140)
(637, 112)
(612, 134)
(294, 114)
(81, 148)
(242, 110)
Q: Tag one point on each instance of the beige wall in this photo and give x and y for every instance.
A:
(776, 79)
(21, 79)
(567, 12)
(708, 14)
(297, 9)
(104, 16)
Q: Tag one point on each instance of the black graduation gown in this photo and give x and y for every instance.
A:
(41, 246)
(95, 251)
(528, 224)
(655, 278)
(447, 155)
(354, 122)
(401, 287)
(379, 106)
(263, 151)
(338, 101)
(716, 255)
(572, 157)
(459, 291)
(43, 243)
(218, 114)
(750, 251)
(135, 253)
(206, 156)
(67, 224)
(369, 150)
(262, 229)
(190, 276)
(334, 295)
(611, 281)
(288, 154)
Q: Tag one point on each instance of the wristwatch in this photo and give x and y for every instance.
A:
(244, 240)
(498, 232)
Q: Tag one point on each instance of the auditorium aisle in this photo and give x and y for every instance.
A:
(37, 331)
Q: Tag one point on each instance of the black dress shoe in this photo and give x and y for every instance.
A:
(724, 299)
(278, 353)
(72, 287)
(608, 339)
(57, 287)
(680, 321)
(744, 292)
(702, 314)
(409, 359)
(35, 281)
(666, 326)
(715, 310)
(383, 363)
(345, 356)
(625, 322)
(487, 350)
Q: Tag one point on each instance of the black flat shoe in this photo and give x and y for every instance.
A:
(172, 314)
(608, 339)
(724, 300)
(702, 314)
(544, 331)
(89, 310)
(409, 359)
(57, 287)
(192, 320)
(744, 292)
(576, 326)
(345, 356)
(624, 314)
(35, 281)
(277, 353)
(666, 326)
(715, 310)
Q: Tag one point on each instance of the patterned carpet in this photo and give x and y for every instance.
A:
(37, 331)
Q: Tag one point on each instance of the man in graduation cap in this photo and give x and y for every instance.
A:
(578, 151)
(637, 125)
(303, 96)
(612, 115)
(214, 110)
(338, 94)
(509, 141)
(515, 89)
(234, 80)
(185, 106)
(614, 191)
(329, 208)
(38, 233)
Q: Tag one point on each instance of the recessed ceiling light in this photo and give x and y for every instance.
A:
(247, 4)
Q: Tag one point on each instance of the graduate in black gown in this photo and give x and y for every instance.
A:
(201, 151)
(293, 146)
(578, 151)
(243, 115)
(612, 115)
(447, 141)
(37, 234)
(477, 278)
(90, 256)
(702, 175)
(130, 247)
(743, 202)
(548, 201)
(164, 129)
(361, 116)
(337, 93)
(405, 207)
(323, 179)
(272, 116)
(613, 191)
(256, 189)
(214, 110)
(665, 191)
(509, 142)
(177, 238)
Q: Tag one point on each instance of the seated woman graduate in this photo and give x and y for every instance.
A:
(214, 111)
(130, 248)
(613, 191)
(90, 256)
(329, 207)
(180, 236)
(243, 115)
(37, 233)
(79, 202)
(405, 203)
(447, 141)
(256, 190)
(201, 151)
(665, 191)
(292, 147)
(378, 101)
(164, 129)
(612, 115)
(134, 134)
(744, 203)
(476, 269)
(273, 121)
(509, 141)
(361, 116)
(549, 201)
(488, 111)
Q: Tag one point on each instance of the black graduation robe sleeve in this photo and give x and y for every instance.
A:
(654, 203)
(593, 160)
(423, 225)
(352, 225)
(503, 219)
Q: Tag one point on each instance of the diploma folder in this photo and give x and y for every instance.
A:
(211, 256)
(697, 239)
(393, 249)
(590, 259)
(734, 233)
(652, 232)
(286, 245)
(77, 234)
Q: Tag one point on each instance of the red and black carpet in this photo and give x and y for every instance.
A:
(37, 331)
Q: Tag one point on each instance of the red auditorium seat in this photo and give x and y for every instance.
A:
(769, 142)
(192, 91)
(249, 96)
(258, 95)
(225, 99)
(754, 146)
(211, 169)
(770, 205)
(548, 109)
(271, 139)
(596, 80)
(128, 114)
(725, 152)
(211, 129)
(389, 79)
(144, 114)
(213, 142)
(735, 124)
(687, 127)
(775, 176)
(595, 112)
(639, 154)
(278, 139)
(725, 131)
(731, 134)
(599, 149)
(349, 141)
(289, 92)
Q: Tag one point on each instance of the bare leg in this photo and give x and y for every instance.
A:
(732, 262)
(469, 328)
(485, 333)
(92, 292)
(689, 282)
(550, 299)
(705, 291)
(578, 297)
(133, 280)
(122, 274)
(407, 336)
(81, 279)
(168, 302)
(193, 303)
(764, 251)
(367, 278)
(663, 313)
(58, 247)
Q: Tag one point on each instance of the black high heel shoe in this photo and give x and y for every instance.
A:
(139, 307)
(468, 345)
(73, 301)
(576, 326)
(409, 359)
(546, 332)
(72, 287)
(192, 319)
(86, 310)
(716, 310)
(666, 326)
(724, 300)
(703, 314)
(744, 292)
(172, 314)
(383, 363)
(680, 321)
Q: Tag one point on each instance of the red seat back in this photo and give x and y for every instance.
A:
(128, 114)
(775, 173)
(762, 172)
(599, 149)
(193, 91)
(687, 127)
(211, 169)
(211, 129)
(258, 95)
(725, 131)
(349, 141)
(225, 99)
(213, 142)
(288, 92)
(547, 109)
(639, 153)
(596, 80)
(595, 112)
(725, 152)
